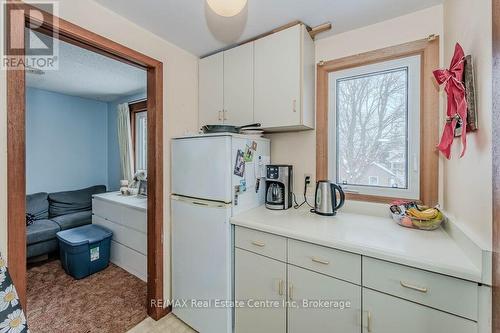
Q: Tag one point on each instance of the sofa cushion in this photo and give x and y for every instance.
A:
(41, 248)
(37, 204)
(73, 220)
(41, 230)
(68, 202)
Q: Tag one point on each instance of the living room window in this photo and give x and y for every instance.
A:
(138, 122)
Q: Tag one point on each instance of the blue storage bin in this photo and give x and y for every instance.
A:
(84, 250)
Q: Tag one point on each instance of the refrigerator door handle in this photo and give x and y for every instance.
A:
(201, 202)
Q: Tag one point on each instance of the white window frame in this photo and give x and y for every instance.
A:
(141, 152)
(413, 65)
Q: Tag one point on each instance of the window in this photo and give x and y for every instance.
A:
(373, 180)
(139, 126)
(377, 123)
(375, 120)
(141, 140)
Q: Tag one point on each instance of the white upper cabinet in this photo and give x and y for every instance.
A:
(238, 85)
(268, 81)
(211, 90)
(226, 87)
(284, 80)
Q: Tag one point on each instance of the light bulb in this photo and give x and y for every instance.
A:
(227, 8)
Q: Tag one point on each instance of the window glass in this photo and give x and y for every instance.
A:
(371, 128)
(141, 140)
(375, 128)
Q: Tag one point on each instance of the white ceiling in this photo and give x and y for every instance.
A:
(89, 75)
(191, 25)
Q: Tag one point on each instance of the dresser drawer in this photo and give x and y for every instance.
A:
(339, 264)
(442, 292)
(127, 216)
(261, 242)
(126, 236)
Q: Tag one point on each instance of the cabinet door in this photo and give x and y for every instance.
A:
(210, 86)
(259, 278)
(238, 85)
(339, 310)
(277, 78)
(388, 314)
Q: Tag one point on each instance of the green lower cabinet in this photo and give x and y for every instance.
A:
(260, 285)
(388, 314)
(322, 304)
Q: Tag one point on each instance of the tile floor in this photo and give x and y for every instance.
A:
(168, 324)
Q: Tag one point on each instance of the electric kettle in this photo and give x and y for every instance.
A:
(325, 199)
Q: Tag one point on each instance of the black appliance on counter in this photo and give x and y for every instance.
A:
(279, 187)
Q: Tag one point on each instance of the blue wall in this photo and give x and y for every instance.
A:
(113, 148)
(66, 142)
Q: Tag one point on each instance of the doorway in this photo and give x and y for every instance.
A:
(16, 143)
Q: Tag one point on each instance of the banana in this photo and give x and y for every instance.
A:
(427, 214)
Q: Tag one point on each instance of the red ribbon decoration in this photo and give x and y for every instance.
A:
(457, 104)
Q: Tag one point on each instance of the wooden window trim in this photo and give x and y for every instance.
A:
(136, 107)
(428, 49)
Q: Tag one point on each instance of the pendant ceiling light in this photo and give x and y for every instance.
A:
(227, 8)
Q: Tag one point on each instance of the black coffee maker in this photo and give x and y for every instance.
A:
(279, 186)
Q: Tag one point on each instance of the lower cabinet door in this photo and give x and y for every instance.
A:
(260, 289)
(387, 314)
(319, 303)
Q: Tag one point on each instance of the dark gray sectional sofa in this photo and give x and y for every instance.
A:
(54, 212)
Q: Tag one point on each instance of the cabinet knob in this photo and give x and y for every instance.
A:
(280, 287)
(294, 104)
(410, 286)
(320, 261)
(258, 243)
(224, 114)
(220, 116)
(369, 322)
(290, 291)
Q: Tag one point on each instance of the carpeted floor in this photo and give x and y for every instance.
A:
(111, 301)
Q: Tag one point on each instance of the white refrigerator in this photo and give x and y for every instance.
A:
(213, 178)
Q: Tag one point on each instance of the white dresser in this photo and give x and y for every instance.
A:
(127, 218)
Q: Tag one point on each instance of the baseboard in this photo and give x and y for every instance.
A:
(157, 313)
(37, 259)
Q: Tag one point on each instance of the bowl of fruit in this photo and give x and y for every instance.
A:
(412, 215)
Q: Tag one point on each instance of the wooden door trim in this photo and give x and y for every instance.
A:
(16, 165)
(496, 168)
(16, 185)
(428, 49)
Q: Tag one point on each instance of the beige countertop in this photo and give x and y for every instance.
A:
(372, 236)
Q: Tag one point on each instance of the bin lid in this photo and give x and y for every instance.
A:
(86, 234)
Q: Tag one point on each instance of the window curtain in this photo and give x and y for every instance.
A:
(125, 142)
